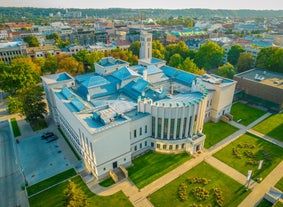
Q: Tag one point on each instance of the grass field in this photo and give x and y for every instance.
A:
(151, 166)
(244, 158)
(279, 185)
(54, 197)
(15, 127)
(272, 126)
(232, 191)
(50, 181)
(215, 132)
(245, 113)
(107, 182)
(264, 203)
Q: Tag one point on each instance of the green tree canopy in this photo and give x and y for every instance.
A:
(234, 54)
(209, 56)
(270, 58)
(190, 66)
(32, 41)
(74, 196)
(18, 75)
(50, 65)
(227, 70)
(70, 65)
(135, 48)
(245, 62)
(180, 48)
(176, 61)
(33, 105)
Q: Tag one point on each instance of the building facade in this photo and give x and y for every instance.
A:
(121, 111)
(10, 50)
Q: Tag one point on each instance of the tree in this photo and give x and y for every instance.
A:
(190, 66)
(135, 48)
(18, 75)
(245, 62)
(32, 103)
(74, 197)
(180, 48)
(50, 65)
(210, 55)
(32, 41)
(176, 61)
(263, 59)
(157, 54)
(14, 105)
(94, 57)
(70, 65)
(227, 70)
(158, 49)
(234, 54)
(30, 62)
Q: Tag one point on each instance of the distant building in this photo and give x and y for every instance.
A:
(42, 51)
(122, 111)
(10, 50)
(261, 87)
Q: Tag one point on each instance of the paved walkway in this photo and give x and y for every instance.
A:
(231, 172)
(258, 192)
(265, 137)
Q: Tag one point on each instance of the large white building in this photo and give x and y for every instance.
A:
(122, 111)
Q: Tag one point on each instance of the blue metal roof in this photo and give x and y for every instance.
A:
(169, 71)
(140, 85)
(66, 93)
(81, 78)
(124, 73)
(95, 81)
(156, 60)
(63, 77)
(184, 77)
(152, 69)
(79, 106)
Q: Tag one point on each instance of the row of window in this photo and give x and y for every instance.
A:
(170, 146)
(141, 145)
(9, 53)
(140, 131)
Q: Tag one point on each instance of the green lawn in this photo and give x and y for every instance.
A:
(54, 197)
(152, 165)
(278, 204)
(232, 191)
(245, 153)
(50, 181)
(15, 127)
(272, 126)
(245, 113)
(279, 185)
(264, 203)
(215, 132)
(107, 182)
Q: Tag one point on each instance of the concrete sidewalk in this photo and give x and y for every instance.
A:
(258, 192)
(265, 137)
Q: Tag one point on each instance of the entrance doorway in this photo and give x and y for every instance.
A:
(115, 165)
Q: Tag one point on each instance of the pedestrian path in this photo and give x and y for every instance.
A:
(258, 192)
(265, 137)
(231, 172)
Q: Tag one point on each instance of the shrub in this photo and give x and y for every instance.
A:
(249, 153)
(237, 153)
(183, 192)
(200, 193)
(219, 196)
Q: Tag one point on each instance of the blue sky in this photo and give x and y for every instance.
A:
(171, 4)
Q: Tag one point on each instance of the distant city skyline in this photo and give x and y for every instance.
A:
(174, 4)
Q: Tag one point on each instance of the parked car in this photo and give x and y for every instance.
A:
(46, 135)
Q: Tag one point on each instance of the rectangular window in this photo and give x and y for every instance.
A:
(140, 145)
(178, 128)
(145, 143)
(177, 146)
(172, 126)
(136, 148)
(153, 126)
(159, 127)
(170, 147)
(158, 146)
(135, 133)
(165, 128)
(164, 146)
(140, 131)
(183, 146)
(145, 129)
(152, 144)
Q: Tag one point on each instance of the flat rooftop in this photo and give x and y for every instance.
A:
(262, 76)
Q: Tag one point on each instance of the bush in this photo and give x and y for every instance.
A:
(219, 196)
(200, 193)
(249, 153)
(195, 180)
(237, 153)
(183, 192)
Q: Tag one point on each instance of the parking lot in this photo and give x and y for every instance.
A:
(40, 159)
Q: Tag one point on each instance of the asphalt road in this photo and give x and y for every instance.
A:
(10, 174)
